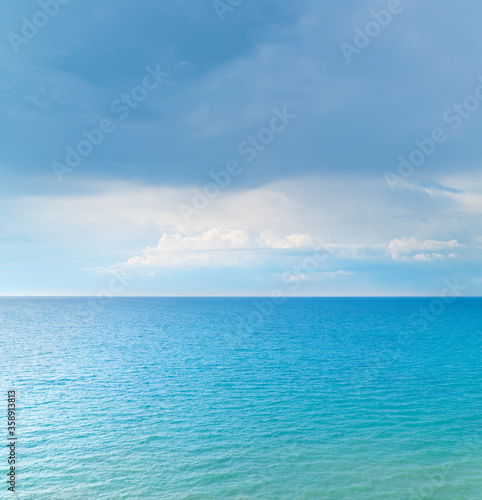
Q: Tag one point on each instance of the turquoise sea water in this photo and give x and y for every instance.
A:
(242, 399)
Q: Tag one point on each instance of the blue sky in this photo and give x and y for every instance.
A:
(304, 145)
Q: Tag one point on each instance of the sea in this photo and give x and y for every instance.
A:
(242, 398)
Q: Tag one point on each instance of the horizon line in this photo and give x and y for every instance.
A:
(232, 297)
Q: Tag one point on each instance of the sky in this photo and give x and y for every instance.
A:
(240, 148)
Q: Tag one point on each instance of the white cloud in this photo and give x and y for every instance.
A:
(217, 247)
(424, 257)
(401, 247)
(295, 240)
(267, 228)
(464, 190)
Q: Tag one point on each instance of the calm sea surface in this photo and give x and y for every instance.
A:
(217, 399)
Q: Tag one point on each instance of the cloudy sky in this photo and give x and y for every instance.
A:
(197, 148)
